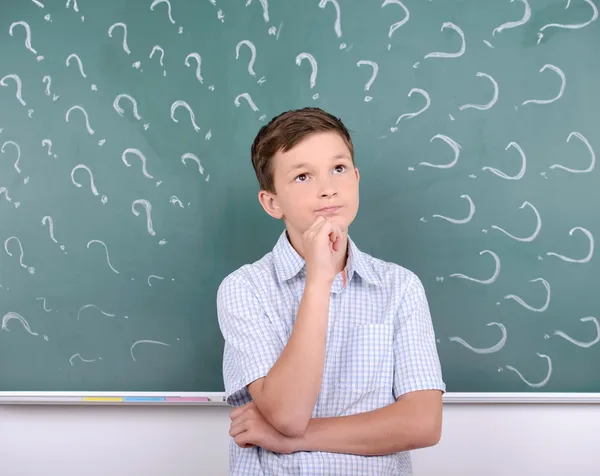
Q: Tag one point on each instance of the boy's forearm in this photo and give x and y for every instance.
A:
(401, 426)
(293, 384)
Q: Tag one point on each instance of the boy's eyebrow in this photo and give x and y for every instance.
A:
(303, 164)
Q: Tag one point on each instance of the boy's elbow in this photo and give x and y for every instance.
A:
(289, 424)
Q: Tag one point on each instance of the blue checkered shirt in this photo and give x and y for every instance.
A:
(380, 345)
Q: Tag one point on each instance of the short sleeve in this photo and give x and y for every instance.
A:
(416, 362)
(251, 344)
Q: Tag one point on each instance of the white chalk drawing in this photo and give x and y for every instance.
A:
(398, 24)
(592, 154)
(369, 83)
(198, 59)
(563, 84)
(94, 306)
(534, 385)
(48, 142)
(185, 105)
(142, 158)
(265, 8)
(190, 156)
(14, 144)
(174, 200)
(27, 28)
(43, 299)
(120, 110)
(527, 306)
(16, 79)
(13, 315)
(588, 257)
(38, 3)
(521, 173)
(485, 350)
(571, 27)
(75, 6)
(4, 190)
(153, 276)
(580, 343)
(464, 220)
(156, 48)
(252, 48)
(536, 232)
(493, 101)
(514, 24)
(80, 358)
(148, 209)
(106, 252)
(410, 115)
(30, 269)
(85, 115)
(156, 2)
(124, 26)
(48, 220)
(248, 99)
(482, 281)
(337, 26)
(460, 52)
(104, 198)
(314, 69)
(78, 59)
(144, 341)
(488, 44)
(455, 147)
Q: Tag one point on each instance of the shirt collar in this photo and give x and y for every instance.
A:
(288, 263)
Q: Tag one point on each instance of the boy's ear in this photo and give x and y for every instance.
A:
(269, 203)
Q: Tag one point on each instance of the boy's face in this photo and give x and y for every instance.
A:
(316, 173)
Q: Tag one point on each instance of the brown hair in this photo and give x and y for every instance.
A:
(285, 131)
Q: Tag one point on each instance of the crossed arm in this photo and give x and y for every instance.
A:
(413, 421)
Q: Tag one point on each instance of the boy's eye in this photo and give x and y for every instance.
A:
(342, 166)
(301, 177)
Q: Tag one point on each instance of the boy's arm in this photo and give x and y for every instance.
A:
(414, 421)
(287, 395)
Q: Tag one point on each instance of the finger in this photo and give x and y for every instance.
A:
(243, 440)
(236, 428)
(237, 411)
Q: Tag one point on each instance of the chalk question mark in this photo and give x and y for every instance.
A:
(48, 142)
(337, 25)
(178, 104)
(396, 25)
(198, 59)
(148, 209)
(87, 121)
(133, 102)
(48, 220)
(250, 102)
(47, 80)
(124, 26)
(314, 67)
(80, 65)
(142, 158)
(375, 67)
(252, 48)
(17, 80)
(104, 198)
(156, 2)
(31, 269)
(156, 48)
(27, 36)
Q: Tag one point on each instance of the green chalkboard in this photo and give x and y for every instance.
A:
(475, 124)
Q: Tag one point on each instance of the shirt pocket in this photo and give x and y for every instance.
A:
(365, 358)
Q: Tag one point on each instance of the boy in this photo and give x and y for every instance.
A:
(330, 354)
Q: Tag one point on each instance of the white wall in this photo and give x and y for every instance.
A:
(478, 439)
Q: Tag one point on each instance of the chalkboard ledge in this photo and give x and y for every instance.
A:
(520, 397)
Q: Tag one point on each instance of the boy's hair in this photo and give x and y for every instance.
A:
(285, 131)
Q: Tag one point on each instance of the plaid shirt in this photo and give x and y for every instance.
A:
(380, 345)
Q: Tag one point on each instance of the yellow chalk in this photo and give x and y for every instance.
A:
(103, 399)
